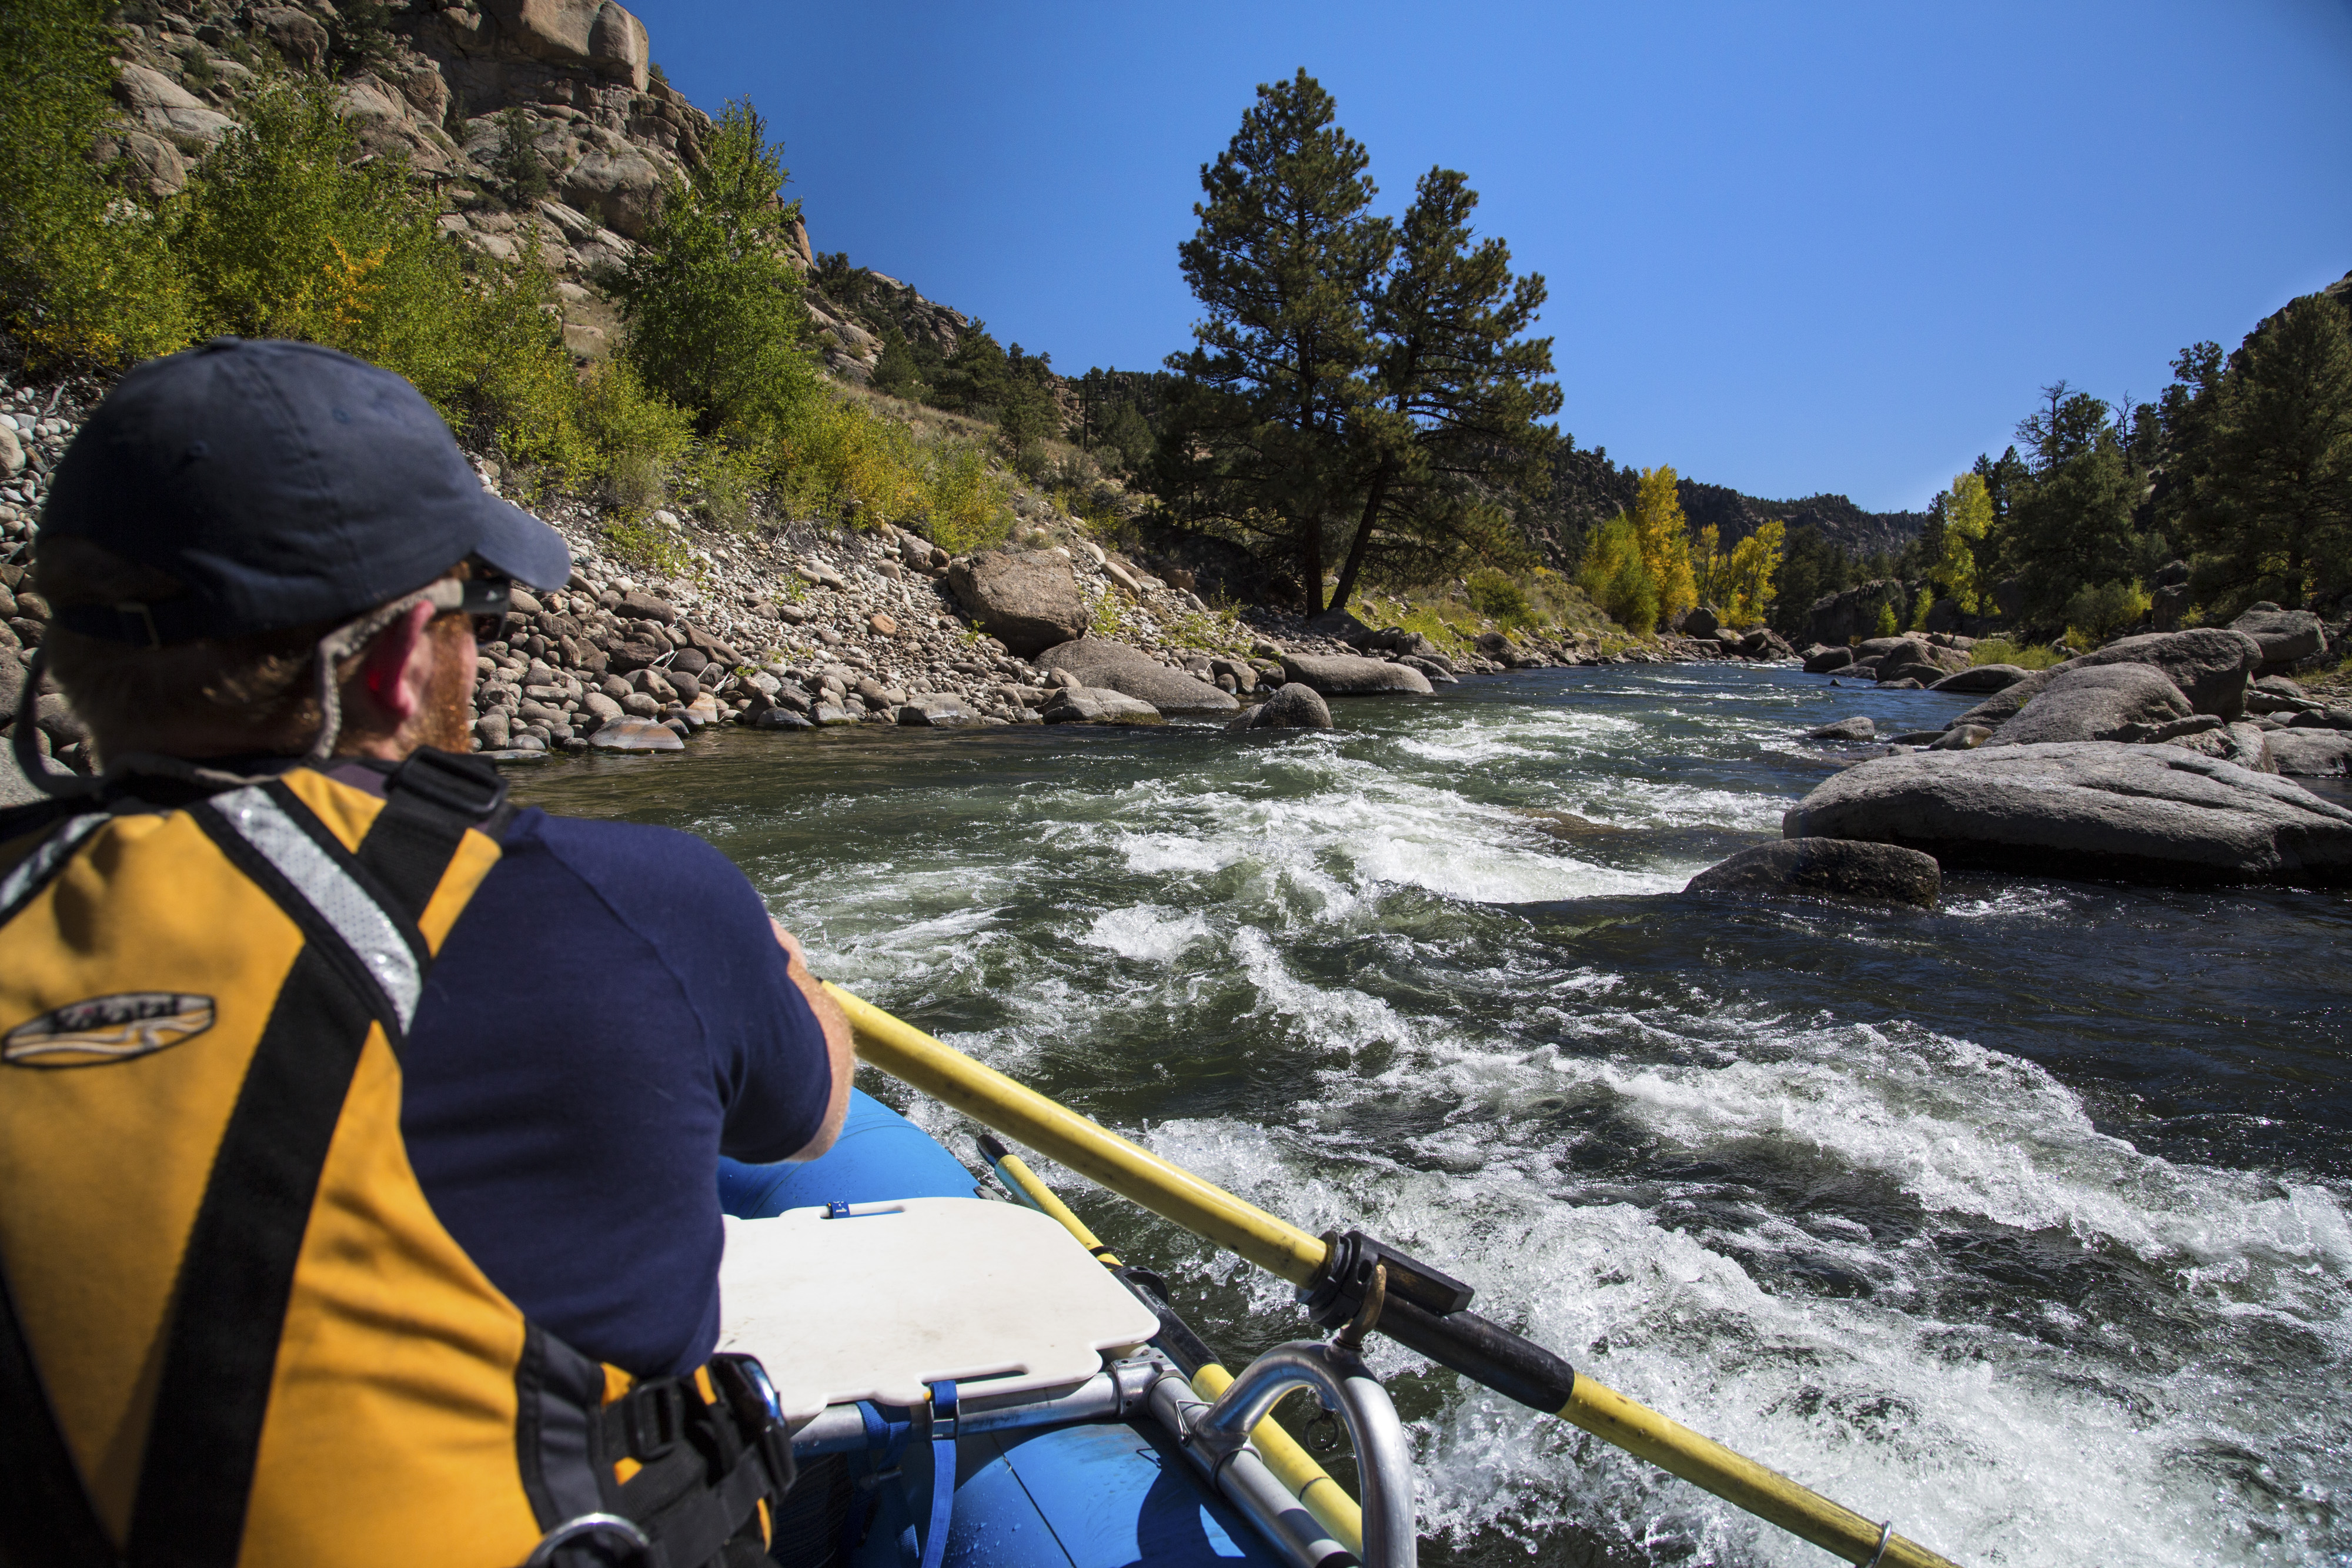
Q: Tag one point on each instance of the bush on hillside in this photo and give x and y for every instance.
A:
(1615, 576)
(2095, 615)
(714, 314)
(86, 280)
(286, 233)
(2001, 651)
(1499, 599)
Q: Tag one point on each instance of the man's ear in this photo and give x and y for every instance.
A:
(397, 668)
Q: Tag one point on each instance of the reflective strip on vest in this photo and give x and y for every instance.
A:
(364, 928)
(37, 868)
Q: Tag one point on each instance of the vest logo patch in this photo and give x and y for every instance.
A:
(107, 1029)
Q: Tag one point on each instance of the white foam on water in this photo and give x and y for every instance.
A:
(1145, 932)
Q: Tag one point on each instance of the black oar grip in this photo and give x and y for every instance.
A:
(1483, 1352)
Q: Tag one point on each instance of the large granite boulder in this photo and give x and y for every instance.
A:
(1294, 706)
(2210, 664)
(1115, 666)
(2096, 808)
(1345, 676)
(2286, 636)
(1027, 600)
(1861, 726)
(1840, 868)
(1821, 659)
(2098, 702)
(621, 189)
(1981, 678)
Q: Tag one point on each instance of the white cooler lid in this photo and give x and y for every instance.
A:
(893, 1296)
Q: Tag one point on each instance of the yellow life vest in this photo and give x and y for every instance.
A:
(232, 1330)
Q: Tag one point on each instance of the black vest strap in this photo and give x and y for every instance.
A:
(45, 1520)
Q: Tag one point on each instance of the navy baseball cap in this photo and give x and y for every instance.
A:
(285, 485)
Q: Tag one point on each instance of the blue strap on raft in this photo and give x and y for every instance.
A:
(943, 1470)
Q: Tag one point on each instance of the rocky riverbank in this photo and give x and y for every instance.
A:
(809, 626)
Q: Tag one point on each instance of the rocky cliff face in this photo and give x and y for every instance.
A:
(465, 91)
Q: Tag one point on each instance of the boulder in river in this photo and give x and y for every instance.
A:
(1099, 705)
(1096, 662)
(2312, 753)
(1028, 600)
(1859, 728)
(635, 735)
(1981, 678)
(1821, 659)
(1840, 868)
(2099, 702)
(937, 712)
(1294, 706)
(1346, 675)
(2096, 808)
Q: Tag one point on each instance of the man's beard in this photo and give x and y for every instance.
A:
(446, 719)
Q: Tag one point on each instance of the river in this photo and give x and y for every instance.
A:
(2023, 1222)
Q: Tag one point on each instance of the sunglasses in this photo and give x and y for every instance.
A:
(484, 601)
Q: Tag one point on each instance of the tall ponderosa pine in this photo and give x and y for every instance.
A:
(2070, 522)
(714, 312)
(1450, 439)
(1284, 261)
(2271, 512)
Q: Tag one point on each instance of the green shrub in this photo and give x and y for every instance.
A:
(2099, 614)
(714, 312)
(1613, 575)
(2001, 651)
(287, 233)
(1499, 599)
(86, 282)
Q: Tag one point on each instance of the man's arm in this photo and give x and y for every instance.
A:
(839, 1048)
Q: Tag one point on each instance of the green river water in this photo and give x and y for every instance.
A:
(2023, 1222)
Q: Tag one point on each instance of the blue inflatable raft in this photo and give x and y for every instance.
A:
(1065, 1391)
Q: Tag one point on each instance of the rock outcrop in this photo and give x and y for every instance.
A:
(1837, 868)
(2086, 807)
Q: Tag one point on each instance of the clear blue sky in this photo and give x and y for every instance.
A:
(1792, 249)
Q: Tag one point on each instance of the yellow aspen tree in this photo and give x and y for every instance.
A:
(1665, 535)
(1753, 563)
(1968, 514)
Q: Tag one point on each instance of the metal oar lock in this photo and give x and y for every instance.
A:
(1358, 1284)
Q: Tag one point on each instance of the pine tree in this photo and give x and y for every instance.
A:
(1450, 439)
(2273, 514)
(1284, 263)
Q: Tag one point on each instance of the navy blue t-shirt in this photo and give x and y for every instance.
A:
(609, 1015)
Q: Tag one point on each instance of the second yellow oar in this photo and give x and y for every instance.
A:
(1469, 1343)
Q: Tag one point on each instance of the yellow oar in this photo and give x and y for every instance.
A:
(1469, 1343)
(1293, 1465)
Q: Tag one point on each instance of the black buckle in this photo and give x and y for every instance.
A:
(750, 1399)
(1337, 1292)
(653, 1415)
